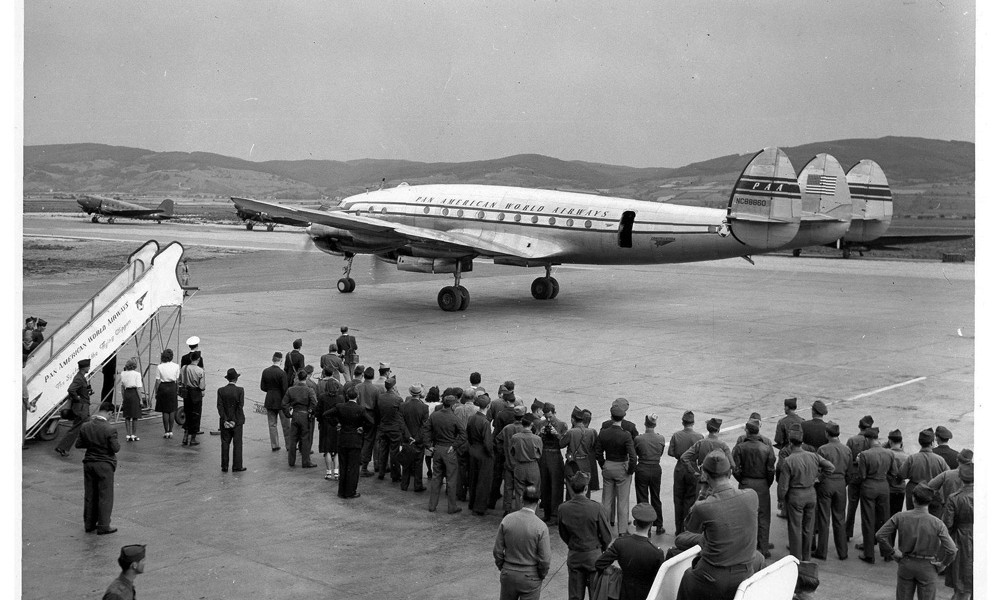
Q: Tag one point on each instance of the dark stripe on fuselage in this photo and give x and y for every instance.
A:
(871, 192)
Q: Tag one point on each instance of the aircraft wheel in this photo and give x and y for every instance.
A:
(270, 226)
(555, 287)
(94, 219)
(449, 298)
(797, 252)
(464, 296)
(49, 431)
(111, 220)
(351, 283)
(249, 226)
(345, 285)
(541, 288)
(846, 253)
(179, 416)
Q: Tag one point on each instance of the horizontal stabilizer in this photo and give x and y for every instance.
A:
(765, 206)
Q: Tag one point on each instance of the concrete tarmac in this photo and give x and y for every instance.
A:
(886, 338)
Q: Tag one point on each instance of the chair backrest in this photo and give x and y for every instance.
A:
(776, 582)
(668, 578)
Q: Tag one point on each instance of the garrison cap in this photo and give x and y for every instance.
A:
(819, 407)
(232, 375)
(132, 553)
(621, 402)
(924, 493)
(193, 340)
(687, 417)
(390, 383)
(866, 422)
(617, 411)
(895, 435)
(507, 395)
(481, 401)
(714, 423)
(548, 407)
(651, 420)
(965, 456)
(528, 419)
(509, 385)
(795, 432)
(83, 363)
(715, 463)
(871, 433)
(537, 405)
(581, 478)
(41, 323)
(941, 431)
(791, 402)
(926, 436)
(359, 370)
(755, 415)
(577, 413)
(966, 472)
(383, 365)
(752, 427)
(417, 389)
(643, 512)
(520, 410)
(832, 429)
(369, 373)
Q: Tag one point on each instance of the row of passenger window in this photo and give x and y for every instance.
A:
(460, 213)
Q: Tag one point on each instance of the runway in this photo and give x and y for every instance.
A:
(892, 339)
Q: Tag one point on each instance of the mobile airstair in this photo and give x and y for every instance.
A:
(138, 312)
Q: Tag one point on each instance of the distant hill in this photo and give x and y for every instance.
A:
(98, 168)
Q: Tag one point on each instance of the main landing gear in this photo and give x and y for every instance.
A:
(345, 285)
(454, 297)
(94, 219)
(545, 288)
(270, 226)
(249, 226)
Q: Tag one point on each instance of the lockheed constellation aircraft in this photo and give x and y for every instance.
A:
(249, 216)
(100, 206)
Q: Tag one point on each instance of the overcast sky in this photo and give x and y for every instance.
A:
(637, 83)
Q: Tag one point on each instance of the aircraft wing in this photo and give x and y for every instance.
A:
(893, 240)
(469, 241)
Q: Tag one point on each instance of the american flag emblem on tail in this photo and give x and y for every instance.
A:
(825, 185)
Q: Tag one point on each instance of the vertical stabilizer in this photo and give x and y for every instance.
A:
(871, 199)
(765, 206)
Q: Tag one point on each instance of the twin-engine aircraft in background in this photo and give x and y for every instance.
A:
(249, 216)
(101, 206)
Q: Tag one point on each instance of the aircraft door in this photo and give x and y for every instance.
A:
(625, 229)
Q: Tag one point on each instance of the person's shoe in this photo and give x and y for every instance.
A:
(419, 489)
(62, 452)
(165, 435)
(240, 470)
(170, 434)
(226, 469)
(429, 509)
(859, 546)
(355, 495)
(366, 473)
(107, 531)
(767, 554)
(135, 438)
(275, 449)
(89, 529)
(310, 466)
(184, 442)
(336, 475)
(845, 557)
(404, 487)
(660, 531)
(782, 515)
(328, 476)
(128, 438)
(867, 559)
(887, 558)
(481, 513)
(452, 511)
(818, 557)
(194, 443)
(381, 477)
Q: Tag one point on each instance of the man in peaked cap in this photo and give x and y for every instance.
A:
(627, 425)
(856, 444)
(781, 436)
(724, 524)
(831, 495)
(192, 344)
(941, 435)
(949, 482)
(581, 442)
(79, 392)
(615, 450)
(480, 440)
(584, 527)
(814, 430)
(132, 560)
(753, 467)
(639, 559)
(649, 447)
(685, 484)
(694, 456)
(959, 517)
(368, 394)
(876, 468)
(921, 468)
(897, 487)
(797, 485)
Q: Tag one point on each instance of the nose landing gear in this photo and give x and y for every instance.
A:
(346, 285)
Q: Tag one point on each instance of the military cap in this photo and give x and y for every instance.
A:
(449, 400)
(507, 395)
(132, 553)
(30, 320)
(580, 478)
(232, 375)
(966, 472)
(687, 417)
(528, 419)
(651, 420)
(577, 413)
(297, 343)
(310, 369)
(617, 411)
(871, 433)
(193, 340)
(794, 432)
(714, 423)
(755, 415)
(943, 432)
(866, 422)
(621, 402)
(83, 363)
(369, 373)
(832, 429)
(926, 436)
(537, 405)
(716, 463)
(924, 493)
(509, 385)
(519, 410)
(895, 435)
(819, 407)
(752, 427)
(276, 356)
(41, 323)
(481, 401)
(643, 512)
(359, 370)
(548, 407)
(965, 456)
(417, 389)
(791, 403)
(390, 383)
(383, 365)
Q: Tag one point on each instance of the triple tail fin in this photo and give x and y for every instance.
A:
(871, 199)
(765, 206)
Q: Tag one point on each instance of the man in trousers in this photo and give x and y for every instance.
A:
(231, 419)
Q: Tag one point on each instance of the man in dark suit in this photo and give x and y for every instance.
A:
(79, 396)
(294, 362)
(638, 557)
(942, 435)
(353, 422)
(347, 347)
(274, 384)
(100, 440)
(231, 419)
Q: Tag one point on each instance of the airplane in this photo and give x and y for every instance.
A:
(826, 203)
(101, 206)
(250, 216)
(442, 228)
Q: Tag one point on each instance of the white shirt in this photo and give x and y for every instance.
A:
(131, 379)
(168, 371)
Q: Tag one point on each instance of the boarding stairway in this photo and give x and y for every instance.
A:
(140, 306)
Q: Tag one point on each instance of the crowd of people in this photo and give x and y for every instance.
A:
(520, 459)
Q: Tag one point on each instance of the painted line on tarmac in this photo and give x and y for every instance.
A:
(858, 397)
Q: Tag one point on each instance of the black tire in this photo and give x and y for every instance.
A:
(179, 416)
(449, 299)
(49, 431)
(344, 285)
(352, 285)
(270, 226)
(555, 287)
(541, 289)
(465, 297)
(94, 219)
(249, 226)
(846, 253)
(797, 252)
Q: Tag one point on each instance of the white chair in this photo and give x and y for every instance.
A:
(668, 578)
(776, 582)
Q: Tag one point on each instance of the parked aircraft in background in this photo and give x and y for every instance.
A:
(101, 206)
(826, 203)
(442, 228)
(250, 216)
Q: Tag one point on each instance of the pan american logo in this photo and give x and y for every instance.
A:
(139, 303)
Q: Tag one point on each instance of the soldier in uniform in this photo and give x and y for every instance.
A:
(523, 453)
(584, 527)
(638, 558)
(695, 455)
(832, 494)
(580, 442)
(415, 414)
(753, 467)
(79, 396)
(922, 467)
(552, 473)
(298, 405)
(331, 361)
(354, 421)
(814, 430)
(685, 484)
(724, 524)
(616, 454)
(958, 518)
(922, 538)
(649, 447)
(856, 444)
(797, 486)
(100, 440)
(781, 438)
(132, 561)
(627, 425)
(444, 433)
(876, 468)
(477, 432)
(522, 550)
(942, 435)
(229, 402)
(368, 394)
(501, 419)
(274, 384)
(949, 482)
(392, 431)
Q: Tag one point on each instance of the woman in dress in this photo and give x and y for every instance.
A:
(328, 396)
(131, 402)
(165, 390)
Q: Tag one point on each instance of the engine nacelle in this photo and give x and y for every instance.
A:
(432, 265)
